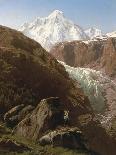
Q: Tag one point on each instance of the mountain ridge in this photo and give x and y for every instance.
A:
(56, 28)
(53, 29)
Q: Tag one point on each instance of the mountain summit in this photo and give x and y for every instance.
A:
(53, 29)
(56, 13)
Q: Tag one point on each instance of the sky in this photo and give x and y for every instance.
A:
(86, 13)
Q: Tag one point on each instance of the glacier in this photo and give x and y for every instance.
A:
(100, 89)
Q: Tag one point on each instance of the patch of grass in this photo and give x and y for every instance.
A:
(36, 149)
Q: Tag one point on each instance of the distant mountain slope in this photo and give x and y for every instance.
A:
(53, 29)
(93, 33)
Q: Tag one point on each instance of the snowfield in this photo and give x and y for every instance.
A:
(53, 29)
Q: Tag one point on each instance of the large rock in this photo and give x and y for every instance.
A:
(65, 137)
(47, 115)
(16, 114)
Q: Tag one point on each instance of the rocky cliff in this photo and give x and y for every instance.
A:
(99, 54)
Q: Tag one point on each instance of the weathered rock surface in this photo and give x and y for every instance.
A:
(16, 114)
(47, 116)
(99, 54)
(108, 59)
(65, 137)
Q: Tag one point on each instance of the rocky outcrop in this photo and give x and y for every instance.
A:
(78, 53)
(13, 112)
(97, 54)
(16, 114)
(47, 116)
(65, 137)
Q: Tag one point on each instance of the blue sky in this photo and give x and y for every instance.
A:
(86, 13)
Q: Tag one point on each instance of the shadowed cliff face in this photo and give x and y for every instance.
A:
(99, 54)
(108, 59)
(28, 74)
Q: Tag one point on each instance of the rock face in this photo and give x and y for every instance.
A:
(16, 114)
(47, 116)
(65, 137)
(97, 54)
(109, 56)
(29, 74)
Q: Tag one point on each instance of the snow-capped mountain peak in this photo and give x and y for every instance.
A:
(93, 32)
(56, 13)
(53, 29)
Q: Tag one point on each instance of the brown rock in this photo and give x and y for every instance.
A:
(100, 54)
(13, 111)
(16, 114)
(47, 116)
(65, 137)
(108, 59)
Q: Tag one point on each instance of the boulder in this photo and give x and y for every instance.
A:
(65, 137)
(12, 112)
(47, 115)
(16, 114)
